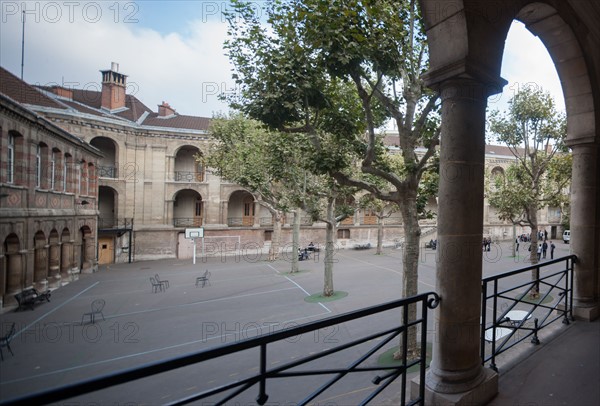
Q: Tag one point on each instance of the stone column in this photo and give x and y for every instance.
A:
(54, 265)
(456, 374)
(256, 215)
(585, 219)
(66, 262)
(40, 264)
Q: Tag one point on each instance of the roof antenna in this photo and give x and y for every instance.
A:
(23, 46)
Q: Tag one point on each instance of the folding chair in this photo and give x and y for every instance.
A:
(156, 286)
(5, 340)
(204, 279)
(97, 307)
(164, 282)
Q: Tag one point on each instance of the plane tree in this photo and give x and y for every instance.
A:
(336, 71)
(535, 133)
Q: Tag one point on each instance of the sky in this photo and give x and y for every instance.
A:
(172, 50)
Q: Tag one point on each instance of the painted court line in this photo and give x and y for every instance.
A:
(142, 353)
(301, 288)
(53, 310)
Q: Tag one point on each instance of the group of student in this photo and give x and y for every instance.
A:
(542, 248)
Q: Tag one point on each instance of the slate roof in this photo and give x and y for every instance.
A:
(21, 92)
(90, 102)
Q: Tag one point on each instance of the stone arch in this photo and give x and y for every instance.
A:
(14, 267)
(185, 166)
(86, 254)
(108, 165)
(545, 22)
(241, 208)
(107, 206)
(188, 208)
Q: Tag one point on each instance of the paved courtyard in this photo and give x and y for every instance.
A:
(247, 296)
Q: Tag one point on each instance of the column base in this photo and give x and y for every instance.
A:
(586, 313)
(479, 395)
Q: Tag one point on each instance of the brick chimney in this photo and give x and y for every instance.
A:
(113, 88)
(62, 92)
(164, 110)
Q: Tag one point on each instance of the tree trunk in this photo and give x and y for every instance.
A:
(533, 255)
(276, 237)
(329, 248)
(295, 241)
(379, 233)
(410, 260)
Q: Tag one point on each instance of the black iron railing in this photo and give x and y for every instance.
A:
(513, 311)
(266, 221)
(107, 223)
(107, 171)
(187, 176)
(187, 221)
(380, 376)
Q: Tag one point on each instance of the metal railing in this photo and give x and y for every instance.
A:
(187, 221)
(187, 176)
(105, 223)
(380, 376)
(266, 221)
(517, 315)
(107, 171)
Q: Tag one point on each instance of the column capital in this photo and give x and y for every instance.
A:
(465, 71)
(589, 141)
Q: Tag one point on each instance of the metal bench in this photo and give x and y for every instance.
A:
(30, 297)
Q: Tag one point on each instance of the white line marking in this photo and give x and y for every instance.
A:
(301, 288)
(53, 310)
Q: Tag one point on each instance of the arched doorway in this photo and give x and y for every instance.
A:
(14, 269)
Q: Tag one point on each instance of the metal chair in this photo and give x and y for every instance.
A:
(5, 340)
(156, 286)
(204, 279)
(164, 282)
(97, 307)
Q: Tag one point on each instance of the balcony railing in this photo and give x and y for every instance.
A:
(223, 392)
(107, 172)
(106, 223)
(247, 221)
(186, 176)
(515, 315)
(187, 221)
(266, 221)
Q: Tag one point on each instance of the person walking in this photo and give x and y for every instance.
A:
(539, 251)
(517, 244)
(552, 247)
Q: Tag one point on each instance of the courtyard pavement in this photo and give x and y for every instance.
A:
(247, 296)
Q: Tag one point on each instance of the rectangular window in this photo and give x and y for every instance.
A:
(343, 233)
(11, 159)
(64, 178)
(52, 171)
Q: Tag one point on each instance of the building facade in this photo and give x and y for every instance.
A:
(48, 203)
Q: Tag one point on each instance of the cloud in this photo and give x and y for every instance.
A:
(188, 72)
(526, 62)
